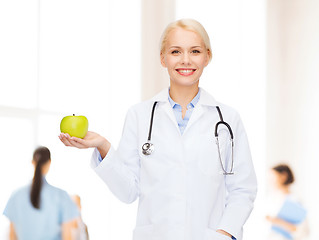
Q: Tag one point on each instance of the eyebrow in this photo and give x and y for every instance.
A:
(181, 47)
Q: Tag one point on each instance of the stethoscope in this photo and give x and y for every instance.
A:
(148, 147)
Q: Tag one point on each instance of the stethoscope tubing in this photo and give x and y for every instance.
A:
(151, 122)
(148, 147)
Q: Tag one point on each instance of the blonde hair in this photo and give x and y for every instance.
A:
(186, 24)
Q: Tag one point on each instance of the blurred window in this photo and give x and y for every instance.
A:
(61, 58)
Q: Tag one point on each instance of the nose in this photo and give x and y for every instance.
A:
(186, 58)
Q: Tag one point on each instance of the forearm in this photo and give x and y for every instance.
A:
(104, 148)
(120, 169)
(121, 178)
(224, 233)
(241, 187)
(238, 208)
(66, 230)
(283, 224)
(12, 233)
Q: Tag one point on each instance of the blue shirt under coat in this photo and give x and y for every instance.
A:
(177, 109)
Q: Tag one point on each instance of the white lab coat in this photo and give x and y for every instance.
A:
(182, 192)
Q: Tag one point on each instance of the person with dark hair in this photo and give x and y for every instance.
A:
(289, 221)
(285, 174)
(40, 211)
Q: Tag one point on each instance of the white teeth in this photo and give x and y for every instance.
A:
(185, 71)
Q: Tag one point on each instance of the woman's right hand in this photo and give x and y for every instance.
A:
(90, 140)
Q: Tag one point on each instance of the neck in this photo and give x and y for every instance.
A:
(183, 95)
(285, 189)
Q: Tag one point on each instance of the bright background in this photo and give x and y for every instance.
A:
(97, 58)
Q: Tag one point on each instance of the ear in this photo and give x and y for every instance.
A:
(208, 57)
(163, 60)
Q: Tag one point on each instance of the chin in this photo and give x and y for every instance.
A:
(185, 83)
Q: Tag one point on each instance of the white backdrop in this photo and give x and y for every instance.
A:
(58, 58)
(84, 57)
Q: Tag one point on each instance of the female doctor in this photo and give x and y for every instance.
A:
(189, 187)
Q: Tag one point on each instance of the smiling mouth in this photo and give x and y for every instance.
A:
(185, 72)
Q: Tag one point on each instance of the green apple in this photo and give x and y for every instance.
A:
(75, 126)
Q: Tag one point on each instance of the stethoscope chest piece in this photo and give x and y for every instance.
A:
(147, 148)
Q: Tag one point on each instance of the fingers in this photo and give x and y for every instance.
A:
(78, 142)
(72, 141)
(64, 137)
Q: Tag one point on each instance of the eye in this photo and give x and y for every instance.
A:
(175, 52)
(196, 51)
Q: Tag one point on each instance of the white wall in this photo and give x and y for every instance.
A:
(155, 17)
(58, 58)
(70, 56)
(292, 95)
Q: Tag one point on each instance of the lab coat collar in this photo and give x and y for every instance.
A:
(207, 99)
(204, 99)
(162, 96)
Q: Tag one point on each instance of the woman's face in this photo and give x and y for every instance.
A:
(185, 57)
(278, 179)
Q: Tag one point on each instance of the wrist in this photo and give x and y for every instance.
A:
(224, 233)
(104, 147)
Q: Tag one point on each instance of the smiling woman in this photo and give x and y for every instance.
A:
(177, 49)
(184, 60)
(177, 198)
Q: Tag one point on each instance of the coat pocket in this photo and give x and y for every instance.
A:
(211, 155)
(159, 232)
(143, 232)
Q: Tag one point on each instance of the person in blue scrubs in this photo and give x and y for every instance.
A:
(39, 210)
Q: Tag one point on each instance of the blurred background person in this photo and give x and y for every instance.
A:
(38, 210)
(79, 228)
(287, 215)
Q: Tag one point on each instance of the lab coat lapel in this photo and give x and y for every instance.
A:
(196, 114)
(162, 99)
(205, 100)
(169, 111)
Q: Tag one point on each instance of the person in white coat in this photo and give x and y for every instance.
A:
(189, 188)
